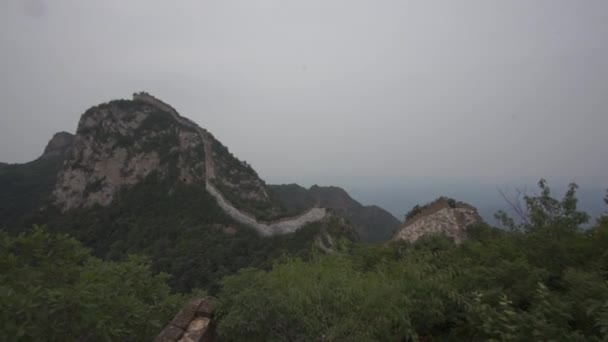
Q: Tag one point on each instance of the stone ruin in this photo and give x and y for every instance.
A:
(192, 324)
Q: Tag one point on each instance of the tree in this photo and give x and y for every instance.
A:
(52, 289)
(543, 210)
(415, 211)
(545, 281)
(324, 299)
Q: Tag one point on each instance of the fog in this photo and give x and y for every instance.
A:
(375, 96)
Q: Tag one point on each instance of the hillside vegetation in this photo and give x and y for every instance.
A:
(53, 289)
(111, 230)
(183, 231)
(544, 279)
(25, 188)
(132, 181)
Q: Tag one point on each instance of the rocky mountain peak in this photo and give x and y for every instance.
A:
(59, 145)
(120, 143)
(442, 216)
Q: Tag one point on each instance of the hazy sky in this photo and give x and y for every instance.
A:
(345, 92)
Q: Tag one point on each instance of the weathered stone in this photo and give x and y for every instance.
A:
(440, 217)
(171, 333)
(205, 309)
(187, 313)
(192, 324)
(197, 330)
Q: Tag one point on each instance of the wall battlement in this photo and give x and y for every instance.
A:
(193, 323)
(150, 99)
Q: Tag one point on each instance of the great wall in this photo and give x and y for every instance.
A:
(279, 227)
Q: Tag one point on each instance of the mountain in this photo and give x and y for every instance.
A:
(59, 145)
(119, 144)
(138, 178)
(27, 187)
(372, 222)
(24, 188)
(442, 216)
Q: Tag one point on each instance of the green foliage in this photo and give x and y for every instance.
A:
(412, 213)
(293, 197)
(52, 289)
(164, 220)
(545, 211)
(545, 282)
(545, 279)
(25, 188)
(325, 299)
(417, 209)
(373, 224)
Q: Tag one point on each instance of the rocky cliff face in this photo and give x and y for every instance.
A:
(120, 143)
(443, 216)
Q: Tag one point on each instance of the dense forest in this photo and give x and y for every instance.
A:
(544, 278)
(53, 289)
(541, 277)
(164, 221)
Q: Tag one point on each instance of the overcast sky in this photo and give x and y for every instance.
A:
(372, 92)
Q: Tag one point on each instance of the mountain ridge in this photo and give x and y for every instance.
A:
(133, 180)
(372, 222)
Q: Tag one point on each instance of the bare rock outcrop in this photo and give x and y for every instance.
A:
(442, 216)
(120, 143)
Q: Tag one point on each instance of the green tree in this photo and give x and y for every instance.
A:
(324, 299)
(544, 210)
(52, 289)
(544, 280)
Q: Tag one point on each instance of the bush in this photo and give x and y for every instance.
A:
(545, 282)
(52, 289)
